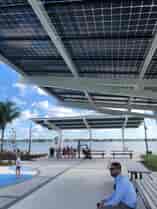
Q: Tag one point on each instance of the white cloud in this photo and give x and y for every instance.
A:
(37, 127)
(40, 91)
(27, 114)
(53, 110)
(18, 101)
(22, 87)
(60, 111)
(42, 104)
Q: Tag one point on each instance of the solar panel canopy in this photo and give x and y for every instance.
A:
(93, 122)
(103, 40)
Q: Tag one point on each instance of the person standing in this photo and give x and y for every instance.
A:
(18, 166)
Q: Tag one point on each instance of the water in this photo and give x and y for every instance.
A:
(9, 179)
(43, 147)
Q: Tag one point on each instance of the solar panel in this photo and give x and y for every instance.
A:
(7, 3)
(94, 122)
(107, 20)
(105, 39)
(112, 32)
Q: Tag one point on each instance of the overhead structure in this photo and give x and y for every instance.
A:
(99, 55)
(95, 122)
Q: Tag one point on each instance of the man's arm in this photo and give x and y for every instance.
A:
(108, 198)
(116, 197)
(102, 203)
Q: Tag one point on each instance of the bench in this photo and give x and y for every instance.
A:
(98, 153)
(147, 190)
(136, 170)
(140, 202)
(122, 153)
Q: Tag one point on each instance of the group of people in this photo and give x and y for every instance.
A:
(69, 152)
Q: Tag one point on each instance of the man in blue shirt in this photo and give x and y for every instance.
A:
(124, 195)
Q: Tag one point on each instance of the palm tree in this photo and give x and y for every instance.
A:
(8, 112)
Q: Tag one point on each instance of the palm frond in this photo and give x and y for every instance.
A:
(8, 112)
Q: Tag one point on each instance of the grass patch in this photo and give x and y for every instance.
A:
(7, 163)
(11, 156)
(150, 161)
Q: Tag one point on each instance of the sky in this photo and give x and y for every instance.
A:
(34, 102)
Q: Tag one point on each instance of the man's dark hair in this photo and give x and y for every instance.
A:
(116, 165)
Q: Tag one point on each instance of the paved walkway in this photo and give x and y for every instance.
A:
(61, 184)
(49, 170)
(80, 185)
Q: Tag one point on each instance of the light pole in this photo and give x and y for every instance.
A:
(30, 138)
(13, 131)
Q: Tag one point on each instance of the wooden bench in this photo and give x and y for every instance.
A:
(147, 190)
(122, 153)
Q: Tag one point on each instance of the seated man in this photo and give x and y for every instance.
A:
(124, 195)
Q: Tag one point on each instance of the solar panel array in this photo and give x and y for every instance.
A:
(105, 100)
(93, 122)
(106, 39)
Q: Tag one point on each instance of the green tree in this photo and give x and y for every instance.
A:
(8, 112)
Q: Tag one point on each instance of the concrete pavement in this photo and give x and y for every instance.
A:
(49, 170)
(79, 187)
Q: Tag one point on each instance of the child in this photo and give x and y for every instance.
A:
(18, 166)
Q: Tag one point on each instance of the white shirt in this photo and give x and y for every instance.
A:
(18, 162)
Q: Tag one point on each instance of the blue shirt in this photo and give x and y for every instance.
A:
(124, 193)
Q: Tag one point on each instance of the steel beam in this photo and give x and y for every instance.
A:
(125, 122)
(51, 125)
(125, 83)
(148, 58)
(89, 130)
(123, 113)
(48, 26)
(75, 84)
(147, 61)
(45, 21)
(86, 105)
(85, 122)
(98, 116)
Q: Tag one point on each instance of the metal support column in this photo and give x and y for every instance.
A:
(60, 143)
(30, 138)
(123, 138)
(79, 149)
(146, 138)
(90, 139)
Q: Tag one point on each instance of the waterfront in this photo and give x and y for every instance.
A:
(43, 147)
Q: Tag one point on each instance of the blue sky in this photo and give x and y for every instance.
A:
(34, 102)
